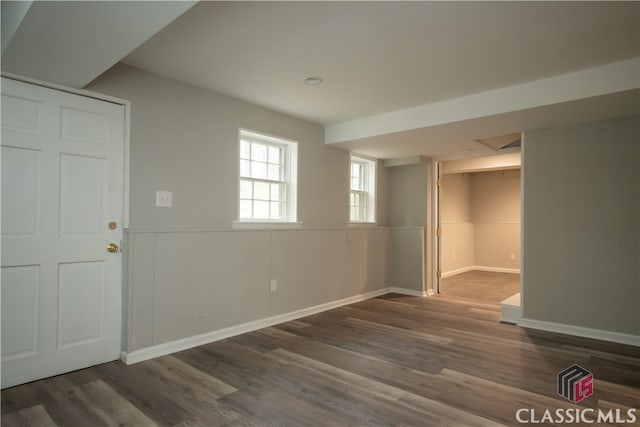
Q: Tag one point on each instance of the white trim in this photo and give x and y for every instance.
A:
(209, 337)
(81, 92)
(394, 227)
(265, 225)
(290, 178)
(580, 331)
(522, 237)
(233, 230)
(126, 179)
(497, 269)
(410, 292)
(404, 161)
(362, 224)
(480, 268)
(436, 241)
(369, 169)
(458, 271)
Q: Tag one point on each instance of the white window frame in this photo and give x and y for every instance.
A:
(369, 188)
(289, 179)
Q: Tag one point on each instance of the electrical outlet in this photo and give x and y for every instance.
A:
(513, 257)
(453, 256)
(274, 285)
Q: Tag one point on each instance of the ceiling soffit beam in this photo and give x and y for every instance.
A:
(487, 163)
(602, 80)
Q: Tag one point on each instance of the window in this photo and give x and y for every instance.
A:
(267, 179)
(363, 189)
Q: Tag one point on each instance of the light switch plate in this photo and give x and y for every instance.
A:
(164, 199)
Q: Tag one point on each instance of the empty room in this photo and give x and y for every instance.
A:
(253, 213)
(479, 206)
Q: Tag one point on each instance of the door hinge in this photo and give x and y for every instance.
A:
(439, 274)
(439, 182)
(438, 232)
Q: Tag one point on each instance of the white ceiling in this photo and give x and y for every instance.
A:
(400, 78)
(72, 43)
(382, 56)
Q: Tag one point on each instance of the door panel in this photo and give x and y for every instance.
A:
(20, 289)
(21, 114)
(80, 303)
(82, 195)
(84, 126)
(20, 204)
(62, 178)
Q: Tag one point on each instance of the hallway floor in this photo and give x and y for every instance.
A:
(481, 286)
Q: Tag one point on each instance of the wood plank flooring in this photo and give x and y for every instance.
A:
(393, 360)
(482, 286)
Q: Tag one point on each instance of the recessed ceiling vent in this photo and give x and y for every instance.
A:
(504, 142)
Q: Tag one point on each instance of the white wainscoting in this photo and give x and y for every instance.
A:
(189, 283)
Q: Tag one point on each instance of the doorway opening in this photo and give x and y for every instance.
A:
(479, 230)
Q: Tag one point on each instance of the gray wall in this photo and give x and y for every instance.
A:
(409, 205)
(185, 140)
(495, 213)
(582, 226)
(457, 246)
(188, 271)
(481, 220)
(408, 195)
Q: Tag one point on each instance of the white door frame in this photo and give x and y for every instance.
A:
(436, 200)
(437, 240)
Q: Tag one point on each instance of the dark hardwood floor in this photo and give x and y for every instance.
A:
(393, 360)
(481, 286)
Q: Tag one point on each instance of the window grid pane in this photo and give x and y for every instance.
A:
(362, 186)
(358, 205)
(261, 161)
(263, 178)
(358, 177)
(262, 199)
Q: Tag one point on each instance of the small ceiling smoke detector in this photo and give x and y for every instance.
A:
(312, 81)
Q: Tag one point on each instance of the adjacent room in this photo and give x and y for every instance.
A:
(480, 239)
(306, 213)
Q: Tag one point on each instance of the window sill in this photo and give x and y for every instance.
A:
(258, 225)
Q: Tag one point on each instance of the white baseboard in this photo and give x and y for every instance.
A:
(457, 271)
(410, 292)
(209, 337)
(497, 269)
(480, 268)
(579, 331)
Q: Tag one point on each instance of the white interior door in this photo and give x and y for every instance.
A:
(62, 185)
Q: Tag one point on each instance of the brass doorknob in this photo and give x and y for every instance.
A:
(112, 248)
